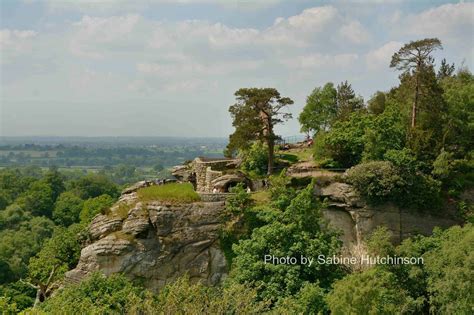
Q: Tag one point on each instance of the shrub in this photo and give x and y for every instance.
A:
(370, 292)
(377, 181)
(381, 181)
(94, 206)
(172, 192)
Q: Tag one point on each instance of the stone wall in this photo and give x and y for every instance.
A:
(207, 170)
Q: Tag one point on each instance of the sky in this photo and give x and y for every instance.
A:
(171, 67)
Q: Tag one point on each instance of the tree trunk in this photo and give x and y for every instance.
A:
(271, 147)
(417, 92)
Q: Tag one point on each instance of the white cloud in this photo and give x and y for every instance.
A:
(380, 57)
(315, 61)
(14, 43)
(91, 34)
(355, 32)
(448, 21)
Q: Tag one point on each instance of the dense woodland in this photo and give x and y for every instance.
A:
(411, 146)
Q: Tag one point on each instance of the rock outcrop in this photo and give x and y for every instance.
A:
(155, 242)
(347, 212)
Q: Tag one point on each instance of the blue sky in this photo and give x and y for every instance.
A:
(170, 68)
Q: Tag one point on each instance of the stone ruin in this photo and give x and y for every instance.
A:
(210, 175)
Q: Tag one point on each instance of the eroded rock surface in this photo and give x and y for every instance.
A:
(347, 212)
(156, 243)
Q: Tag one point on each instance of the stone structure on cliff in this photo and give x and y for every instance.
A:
(155, 242)
(211, 175)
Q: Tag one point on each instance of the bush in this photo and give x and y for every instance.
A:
(371, 292)
(99, 295)
(94, 206)
(382, 181)
(377, 181)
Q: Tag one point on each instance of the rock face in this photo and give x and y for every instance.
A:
(156, 243)
(356, 220)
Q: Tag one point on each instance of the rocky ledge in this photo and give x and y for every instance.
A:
(155, 242)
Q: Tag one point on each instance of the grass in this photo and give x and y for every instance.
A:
(173, 192)
(261, 197)
(296, 155)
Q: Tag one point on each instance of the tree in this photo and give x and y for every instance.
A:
(55, 180)
(370, 292)
(376, 105)
(450, 272)
(255, 115)
(413, 58)
(459, 97)
(67, 209)
(94, 185)
(345, 141)
(58, 255)
(297, 231)
(320, 109)
(347, 102)
(38, 199)
(446, 70)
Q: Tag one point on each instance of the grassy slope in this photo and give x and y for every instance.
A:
(173, 192)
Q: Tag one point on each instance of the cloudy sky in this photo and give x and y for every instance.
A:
(170, 67)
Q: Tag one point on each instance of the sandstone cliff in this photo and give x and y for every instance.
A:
(155, 242)
(347, 212)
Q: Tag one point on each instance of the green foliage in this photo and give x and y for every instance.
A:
(21, 242)
(254, 116)
(379, 242)
(346, 140)
(55, 181)
(18, 293)
(377, 181)
(281, 193)
(94, 206)
(58, 254)
(387, 132)
(294, 232)
(38, 199)
(370, 292)
(450, 272)
(67, 209)
(94, 185)
(172, 192)
(99, 295)
(240, 202)
(376, 104)
(117, 295)
(381, 181)
(183, 297)
(254, 159)
(320, 109)
(310, 299)
(347, 101)
(459, 97)
(7, 307)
